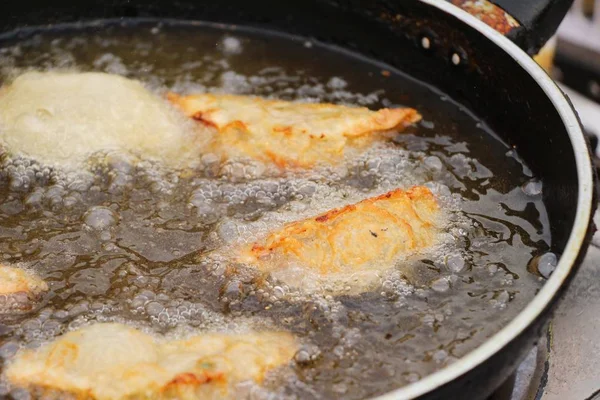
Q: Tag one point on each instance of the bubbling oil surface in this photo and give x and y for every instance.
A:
(126, 239)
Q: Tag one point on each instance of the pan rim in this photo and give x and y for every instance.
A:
(576, 239)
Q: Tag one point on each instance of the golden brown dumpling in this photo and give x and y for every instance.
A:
(351, 244)
(18, 289)
(285, 133)
(110, 361)
(15, 280)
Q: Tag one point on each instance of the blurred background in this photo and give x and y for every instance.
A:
(566, 363)
(572, 57)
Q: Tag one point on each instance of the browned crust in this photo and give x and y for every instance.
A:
(489, 13)
(199, 116)
(191, 379)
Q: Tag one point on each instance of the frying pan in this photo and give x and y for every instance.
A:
(484, 69)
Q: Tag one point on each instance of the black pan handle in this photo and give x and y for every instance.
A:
(539, 20)
(529, 23)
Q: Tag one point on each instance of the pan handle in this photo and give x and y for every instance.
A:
(528, 23)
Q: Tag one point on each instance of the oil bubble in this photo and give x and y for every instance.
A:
(8, 349)
(455, 262)
(433, 163)
(427, 124)
(278, 292)
(337, 83)
(340, 388)
(232, 290)
(34, 199)
(500, 300)
(440, 355)
(20, 394)
(231, 45)
(99, 218)
(228, 231)
(440, 285)
(54, 195)
(544, 264)
(532, 187)
(411, 377)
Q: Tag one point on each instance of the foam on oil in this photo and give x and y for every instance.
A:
(129, 239)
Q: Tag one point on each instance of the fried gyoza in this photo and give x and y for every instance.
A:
(62, 117)
(285, 133)
(18, 289)
(109, 361)
(351, 244)
(16, 280)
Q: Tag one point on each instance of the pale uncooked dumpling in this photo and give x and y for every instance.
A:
(61, 118)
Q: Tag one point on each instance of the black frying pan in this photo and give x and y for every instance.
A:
(477, 66)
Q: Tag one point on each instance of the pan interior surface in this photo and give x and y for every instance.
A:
(145, 262)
